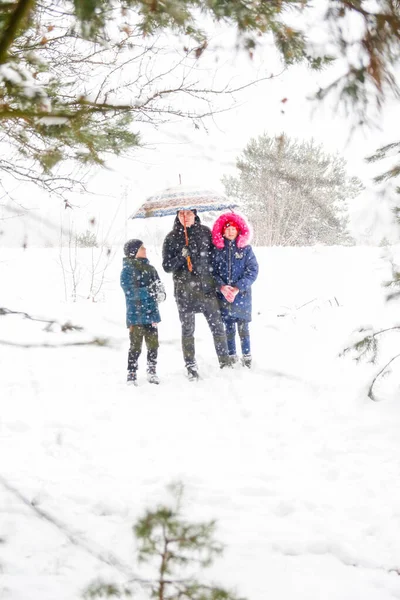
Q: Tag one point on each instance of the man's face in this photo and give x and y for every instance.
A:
(186, 217)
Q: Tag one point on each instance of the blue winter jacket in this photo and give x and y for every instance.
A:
(237, 267)
(143, 290)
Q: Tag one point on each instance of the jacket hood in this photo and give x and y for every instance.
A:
(243, 227)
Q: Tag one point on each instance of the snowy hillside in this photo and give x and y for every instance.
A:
(298, 466)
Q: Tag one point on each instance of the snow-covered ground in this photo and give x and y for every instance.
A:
(300, 469)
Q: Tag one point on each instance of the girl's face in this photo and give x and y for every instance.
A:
(230, 233)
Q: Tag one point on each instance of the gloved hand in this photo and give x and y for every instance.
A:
(161, 295)
(160, 292)
(185, 252)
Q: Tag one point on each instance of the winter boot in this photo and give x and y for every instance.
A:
(131, 379)
(226, 361)
(192, 373)
(152, 376)
(246, 360)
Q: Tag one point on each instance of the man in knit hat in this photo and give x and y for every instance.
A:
(143, 291)
(187, 254)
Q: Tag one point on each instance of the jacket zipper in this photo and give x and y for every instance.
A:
(230, 263)
(229, 271)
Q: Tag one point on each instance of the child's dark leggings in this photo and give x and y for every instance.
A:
(136, 335)
(244, 335)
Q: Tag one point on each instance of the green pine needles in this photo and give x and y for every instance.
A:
(174, 549)
(369, 342)
(78, 76)
(367, 347)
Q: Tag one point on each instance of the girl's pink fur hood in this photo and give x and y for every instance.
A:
(244, 231)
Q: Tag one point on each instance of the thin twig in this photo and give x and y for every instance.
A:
(105, 556)
(94, 342)
(50, 322)
(371, 394)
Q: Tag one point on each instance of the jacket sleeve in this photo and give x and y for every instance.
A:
(250, 272)
(216, 271)
(126, 281)
(172, 256)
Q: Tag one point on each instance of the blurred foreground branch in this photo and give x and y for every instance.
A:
(104, 556)
(64, 327)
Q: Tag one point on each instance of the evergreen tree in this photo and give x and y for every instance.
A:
(293, 192)
(173, 547)
(87, 239)
(369, 341)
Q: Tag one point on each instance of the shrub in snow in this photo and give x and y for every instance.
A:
(172, 547)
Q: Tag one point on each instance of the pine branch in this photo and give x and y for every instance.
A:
(368, 344)
(357, 8)
(16, 22)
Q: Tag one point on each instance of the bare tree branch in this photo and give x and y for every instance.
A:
(104, 556)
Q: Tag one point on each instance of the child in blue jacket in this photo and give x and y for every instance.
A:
(143, 291)
(235, 270)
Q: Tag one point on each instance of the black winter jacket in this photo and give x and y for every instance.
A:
(190, 287)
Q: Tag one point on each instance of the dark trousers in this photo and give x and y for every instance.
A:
(244, 334)
(211, 311)
(136, 335)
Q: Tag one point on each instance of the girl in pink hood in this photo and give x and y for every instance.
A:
(235, 270)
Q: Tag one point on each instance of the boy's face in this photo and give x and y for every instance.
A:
(141, 253)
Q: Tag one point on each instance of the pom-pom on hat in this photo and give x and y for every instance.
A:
(131, 247)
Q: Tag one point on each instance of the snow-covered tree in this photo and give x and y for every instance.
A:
(294, 193)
